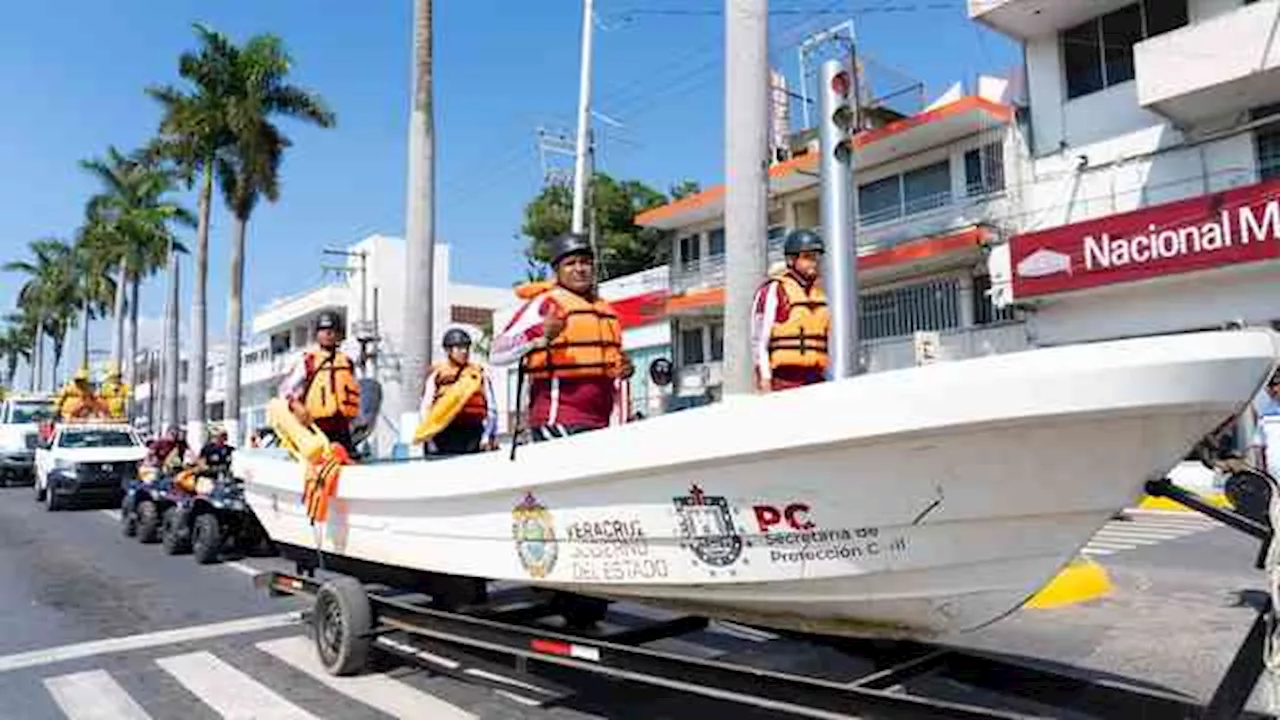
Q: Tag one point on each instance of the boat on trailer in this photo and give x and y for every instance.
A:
(906, 503)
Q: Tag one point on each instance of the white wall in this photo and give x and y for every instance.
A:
(1182, 302)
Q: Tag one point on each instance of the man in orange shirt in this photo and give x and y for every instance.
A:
(791, 322)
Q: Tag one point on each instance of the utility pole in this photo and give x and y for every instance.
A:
(746, 192)
(580, 178)
(419, 305)
(362, 330)
(838, 105)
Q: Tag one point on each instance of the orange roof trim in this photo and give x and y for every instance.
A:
(1002, 113)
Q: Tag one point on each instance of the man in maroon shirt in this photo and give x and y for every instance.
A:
(569, 343)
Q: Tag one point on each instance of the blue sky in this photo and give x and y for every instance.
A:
(72, 75)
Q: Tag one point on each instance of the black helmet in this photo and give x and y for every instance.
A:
(328, 320)
(799, 241)
(456, 337)
(569, 244)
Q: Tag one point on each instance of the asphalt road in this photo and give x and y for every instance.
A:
(93, 622)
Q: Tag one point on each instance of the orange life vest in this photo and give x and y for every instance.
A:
(801, 340)
(332, 389)
(447, 373)
(590, 346)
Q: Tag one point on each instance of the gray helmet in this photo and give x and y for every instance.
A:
(799, 241)
(568, 244)
(456, 337)
(328, 320)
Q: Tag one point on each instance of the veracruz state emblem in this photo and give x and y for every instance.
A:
(533, 529)
(706, 527)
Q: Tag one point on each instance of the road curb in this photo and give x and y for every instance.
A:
(1080, 581)
(1168, 505)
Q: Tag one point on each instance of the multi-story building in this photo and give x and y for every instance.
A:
(933, 191)
(1151, 192)
(370, 301)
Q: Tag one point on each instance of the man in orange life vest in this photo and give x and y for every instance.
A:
(475, 426)
(321, 386)
(570, 343)
(791, 322)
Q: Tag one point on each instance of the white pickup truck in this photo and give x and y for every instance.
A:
(89, 460)
(20, 418)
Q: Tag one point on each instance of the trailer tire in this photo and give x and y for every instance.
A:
(342, 621)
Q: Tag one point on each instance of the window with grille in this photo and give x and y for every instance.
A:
(984, 169)
(900, 311)
(691, 346)
(1098, 53)
(1266, 142)
(470, 315)
(911, 192)
(715, 243)
(690, 250)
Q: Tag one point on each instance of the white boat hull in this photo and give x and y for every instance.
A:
(905, 503)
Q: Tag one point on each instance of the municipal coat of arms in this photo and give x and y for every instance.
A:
(533, 529)
(706, 527)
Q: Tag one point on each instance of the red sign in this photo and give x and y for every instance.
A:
(641, 309)
(1225, 228)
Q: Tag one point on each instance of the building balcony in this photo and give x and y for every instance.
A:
(1026, 19)
(1223, 65)
(879, 232)
(287, 311)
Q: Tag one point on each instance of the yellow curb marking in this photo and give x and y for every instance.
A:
(1163, 503)
(1080, 581)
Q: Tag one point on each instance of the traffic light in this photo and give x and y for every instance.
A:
(843, 114)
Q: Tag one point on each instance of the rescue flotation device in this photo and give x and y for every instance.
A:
(452, 395)
(801, 340)
(307, 443)
(331, 389)
(590, 346)
(113, 398)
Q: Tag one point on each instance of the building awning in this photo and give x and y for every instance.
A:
(934, 128)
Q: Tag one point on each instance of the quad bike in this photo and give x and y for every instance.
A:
(212, 518)
(146, 500)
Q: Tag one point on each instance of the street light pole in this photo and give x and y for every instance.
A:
(580, 178)
(746, 179)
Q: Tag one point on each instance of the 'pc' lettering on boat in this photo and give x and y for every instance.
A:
(796, 515)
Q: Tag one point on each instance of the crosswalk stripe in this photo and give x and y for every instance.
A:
(1143, 531)
(1155, 532)
(228, 691)
(1090, 550)
(93, 695)
(379, 691)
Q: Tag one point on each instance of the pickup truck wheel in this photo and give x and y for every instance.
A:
(53, 503)
(148, 521)
(206, 538)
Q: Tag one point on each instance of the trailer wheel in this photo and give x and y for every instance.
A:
(148, 521)
(343, 620)
(206, 538)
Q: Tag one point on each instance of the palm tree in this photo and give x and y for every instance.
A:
(23, 323)
(248, 169)
(48, 294)
(136, 212)
(95, 253)
(193, 131)
(420, 213)
(15, 346)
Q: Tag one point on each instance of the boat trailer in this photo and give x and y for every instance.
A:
(501, 641)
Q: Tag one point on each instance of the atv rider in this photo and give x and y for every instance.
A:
(321, 386)
(474, 427)
(569, 343)
(169, 451)
(215, 456)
